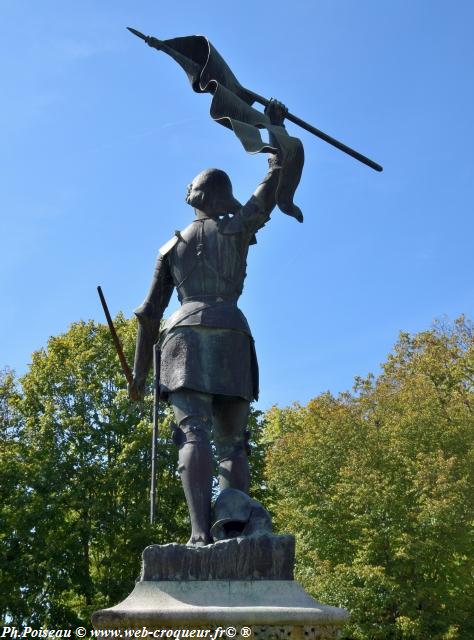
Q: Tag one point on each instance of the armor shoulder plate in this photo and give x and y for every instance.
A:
(179, 236)
(166, 248)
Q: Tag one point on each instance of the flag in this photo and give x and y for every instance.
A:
(232, 107)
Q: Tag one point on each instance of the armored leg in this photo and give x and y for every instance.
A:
(230, 424)
(193, 413)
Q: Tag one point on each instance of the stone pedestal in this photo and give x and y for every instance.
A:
(234, 588)
(274, 609)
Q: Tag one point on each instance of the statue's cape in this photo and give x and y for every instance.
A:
(232, 107)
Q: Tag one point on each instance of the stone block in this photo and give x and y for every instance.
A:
(262, 557)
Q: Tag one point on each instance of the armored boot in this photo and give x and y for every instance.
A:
(195, 467)
(234, 470)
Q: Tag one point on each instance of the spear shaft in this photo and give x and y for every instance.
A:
(323, 136)
(118, 346)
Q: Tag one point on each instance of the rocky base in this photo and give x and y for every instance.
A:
(259, 557)
(270, 610)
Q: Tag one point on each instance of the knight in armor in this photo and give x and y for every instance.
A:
(209, 370)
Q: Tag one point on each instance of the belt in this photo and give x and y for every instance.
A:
(210, 298)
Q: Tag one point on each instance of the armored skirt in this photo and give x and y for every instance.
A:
(209, 360)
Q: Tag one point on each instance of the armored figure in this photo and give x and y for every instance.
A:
(209, 370)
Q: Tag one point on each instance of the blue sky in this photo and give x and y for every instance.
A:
(101, 135)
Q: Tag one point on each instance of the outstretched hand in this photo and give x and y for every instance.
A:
(276, 111)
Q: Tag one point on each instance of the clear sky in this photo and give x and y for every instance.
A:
(100, 135)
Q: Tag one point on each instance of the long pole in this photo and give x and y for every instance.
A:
(154, 437)
(118, 347)
(324, 136)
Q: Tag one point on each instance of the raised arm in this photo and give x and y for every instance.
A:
(149, 316)
(265, 193)
(279, 184)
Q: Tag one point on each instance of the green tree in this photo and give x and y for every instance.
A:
(12, 493)
(378, 487)
(79, 458)
(74, 480)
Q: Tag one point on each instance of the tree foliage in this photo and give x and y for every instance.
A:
(378, 486)
(11, 458)
(75, 478)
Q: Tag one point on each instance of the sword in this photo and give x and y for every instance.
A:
(156, 396)
(154, 437)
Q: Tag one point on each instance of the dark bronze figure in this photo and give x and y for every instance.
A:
(209, 371)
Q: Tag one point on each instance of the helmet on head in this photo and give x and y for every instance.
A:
(213, 188)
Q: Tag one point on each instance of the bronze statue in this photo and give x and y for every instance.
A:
(209, 370)
(208, 366)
